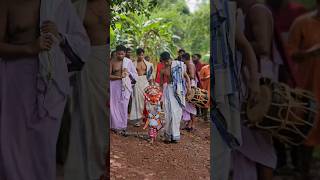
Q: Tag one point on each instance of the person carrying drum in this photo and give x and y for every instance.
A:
(256, 158)
(227, 100)
(204, 78)
(190, 111)
(196, 59)
(304, 48)
(173, 95)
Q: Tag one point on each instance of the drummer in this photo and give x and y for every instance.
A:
(256, 155)
(145, 70)
(204, 78)
(190, 111)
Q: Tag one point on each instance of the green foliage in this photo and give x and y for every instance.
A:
(197, 38)
(135, 31)
(160, 26)
(125, 7)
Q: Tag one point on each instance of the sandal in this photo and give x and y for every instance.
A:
(123, 133)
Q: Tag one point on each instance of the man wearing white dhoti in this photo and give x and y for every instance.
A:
(145, 70)
(89, 120)
(174, 93)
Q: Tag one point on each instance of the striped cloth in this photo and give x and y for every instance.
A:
(225, 87)
(225, 110)
(179, 84)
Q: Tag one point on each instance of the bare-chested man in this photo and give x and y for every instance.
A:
(224, 153)
(30, 122)
(174, 95)
(123, 74)
(257, 147)
(89, 127)
(190, 111)
(145, 70)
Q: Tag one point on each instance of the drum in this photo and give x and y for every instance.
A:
(287, 114)
(198, 97)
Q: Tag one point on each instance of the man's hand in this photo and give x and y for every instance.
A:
(43, 43)
(151, 82)
(125, 73)
(254, 91)
(314, 50)
(188, 91)
(50, 27)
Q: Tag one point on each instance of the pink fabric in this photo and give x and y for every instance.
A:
(153, 132)
(242, 164)
(118, 106)
(30, 108)
(188, 111)
(257, 147)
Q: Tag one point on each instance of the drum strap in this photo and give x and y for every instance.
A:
(219, 121)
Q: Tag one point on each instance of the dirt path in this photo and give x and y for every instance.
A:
(133, 158)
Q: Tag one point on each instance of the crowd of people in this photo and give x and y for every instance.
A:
(130, 77)
(279, 40)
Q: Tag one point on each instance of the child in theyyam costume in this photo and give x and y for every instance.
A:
(152, 111)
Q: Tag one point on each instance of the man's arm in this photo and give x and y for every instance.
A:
(186, 76)
(295, 40)
(250, 61)
(113, 77)
(192, 71)
(261, 23)
(249, 56)
(300, 55)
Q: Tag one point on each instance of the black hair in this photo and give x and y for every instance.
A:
(139, 51)
(198, 55)
(185, 56)
(121, 48)
(274, 4)
(165, 56)
(112, 53)
(128, 49)
(181, 50)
